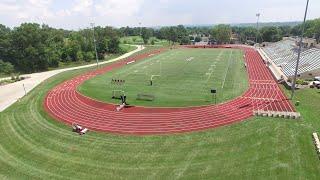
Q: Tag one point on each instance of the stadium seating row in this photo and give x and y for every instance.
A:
(284, 54)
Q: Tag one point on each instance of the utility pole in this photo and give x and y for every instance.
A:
(140, 31)
(95, 45)
(293, 87)
(258, 17)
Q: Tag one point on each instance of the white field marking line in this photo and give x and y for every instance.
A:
(190, 59)
(225, 77)
(142, 68)
(209, 74)
(213, 65)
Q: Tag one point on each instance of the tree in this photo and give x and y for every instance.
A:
(222, 33)
(146, 34)
(113, 45)
(313, 29)
(247, 34)
(28, 48)
(88, 56)
(197, 39)
(185, 40)
(4, 42)
(32, 47)
(182, 36)
(285, 31)
(270, 34)
(6, 67)
(172, 34)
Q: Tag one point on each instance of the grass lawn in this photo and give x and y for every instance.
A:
(186, 78)
(34, 146)
(124, 47)
(4, 75)
(139, 40)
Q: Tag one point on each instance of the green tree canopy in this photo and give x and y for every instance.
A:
(270, 34)
(6, 67)
(221, 33)
(146, 35)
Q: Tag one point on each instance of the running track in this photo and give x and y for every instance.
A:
(67, 105)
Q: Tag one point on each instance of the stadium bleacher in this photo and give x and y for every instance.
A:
(284, 54)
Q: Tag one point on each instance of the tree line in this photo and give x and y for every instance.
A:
(32, 47)
(222, 34)
(276, 33)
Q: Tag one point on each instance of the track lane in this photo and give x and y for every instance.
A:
(67, 105)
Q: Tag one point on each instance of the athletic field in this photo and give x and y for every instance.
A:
(179, 77)
(35, 146)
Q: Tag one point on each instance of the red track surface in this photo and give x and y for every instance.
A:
(66, 104)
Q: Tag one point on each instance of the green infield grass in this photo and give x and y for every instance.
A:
(180, 77)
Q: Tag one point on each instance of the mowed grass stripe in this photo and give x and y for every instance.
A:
(186, 78)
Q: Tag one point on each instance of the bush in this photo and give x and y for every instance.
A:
(79, 56)
(15, 77)
(197, 39)
(88, 56)
(300, 81)
(6, 67)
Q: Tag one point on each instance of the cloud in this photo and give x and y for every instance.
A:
(30, 10)
(83, 7)
(116, 8)
(75, 14)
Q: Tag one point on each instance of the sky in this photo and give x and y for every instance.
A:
(77, 14)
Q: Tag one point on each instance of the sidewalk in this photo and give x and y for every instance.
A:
(10, 93)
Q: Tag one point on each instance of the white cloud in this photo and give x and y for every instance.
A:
(115, 8)
(74, 14)
(83, 7)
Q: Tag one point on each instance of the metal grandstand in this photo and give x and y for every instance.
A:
(284, 55)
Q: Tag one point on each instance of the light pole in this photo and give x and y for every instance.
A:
(140, 31)
(293, 87)
(258, 17)
(95, 45)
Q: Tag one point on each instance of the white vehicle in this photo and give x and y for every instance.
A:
(315, 84)
(317, 78)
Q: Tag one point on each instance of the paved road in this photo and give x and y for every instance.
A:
(10, 93)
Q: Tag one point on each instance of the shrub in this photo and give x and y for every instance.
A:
(88, 56)
(300, 81)
(6, 67)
